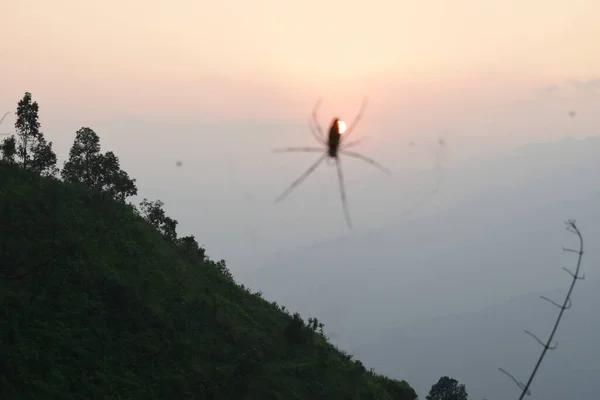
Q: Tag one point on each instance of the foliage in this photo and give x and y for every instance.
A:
(84, 159)
(97, 304)
(224, 271)
(189, 244)
(33, 151)
(447, 389)
(8, 149)
(88, 166)
(296, 333)
(316, 326)
(154, 213)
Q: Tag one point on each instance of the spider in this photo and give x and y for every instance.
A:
(335, 144)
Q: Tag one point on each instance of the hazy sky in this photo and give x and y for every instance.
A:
(271, 59)
(218, 84)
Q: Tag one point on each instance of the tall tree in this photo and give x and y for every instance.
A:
(32, 149)
(44, 158)
(84, 159)
(447, 389)
(115, 180)
(100, 171)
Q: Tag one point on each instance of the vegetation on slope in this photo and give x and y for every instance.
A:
(101, 299)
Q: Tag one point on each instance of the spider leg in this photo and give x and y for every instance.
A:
(301, 178)
(298, 149)
(357, 119)
(316, 134)
(353, 143)
(315, 119)
(343, 192)
(367, 160)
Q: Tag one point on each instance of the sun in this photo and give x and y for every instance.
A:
(341, 126)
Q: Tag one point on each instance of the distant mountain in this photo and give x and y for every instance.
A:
(471, 346)
(494, 232)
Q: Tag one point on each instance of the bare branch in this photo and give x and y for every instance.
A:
(556, 304)
(521, 385)
(540, 341)
(571, 227)
(574, 276)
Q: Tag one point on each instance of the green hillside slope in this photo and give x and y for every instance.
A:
(96, 304)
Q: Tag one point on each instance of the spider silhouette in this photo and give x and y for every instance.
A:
(335, 144)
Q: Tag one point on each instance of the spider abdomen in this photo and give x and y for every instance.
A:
(333, 140)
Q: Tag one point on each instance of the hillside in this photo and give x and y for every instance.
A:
(96, 303)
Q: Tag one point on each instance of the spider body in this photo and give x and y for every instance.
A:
(334, 139)
(333, 145)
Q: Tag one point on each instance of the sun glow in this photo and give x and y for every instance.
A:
(341, 127)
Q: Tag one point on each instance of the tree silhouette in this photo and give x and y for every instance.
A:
(296, 332)
(115, 180)
(84, 159)
(32, 149)
(100, 171)
(222, 268)
(447, 389)
(190, 244)
(8, 148)
(153, 212)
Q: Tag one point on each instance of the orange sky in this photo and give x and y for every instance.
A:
(133, 55)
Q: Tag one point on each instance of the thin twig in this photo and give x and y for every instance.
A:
(556, 304)
(521, 385)
(571, 227)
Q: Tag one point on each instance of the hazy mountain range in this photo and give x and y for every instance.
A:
(428, 294)
(471, 346)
